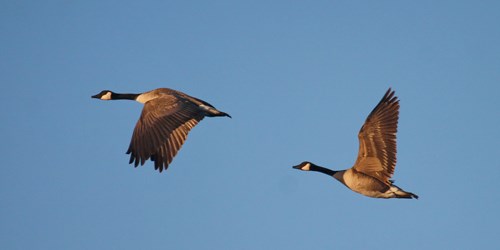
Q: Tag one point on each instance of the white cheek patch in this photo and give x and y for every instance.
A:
(306, 167)
(107, 96)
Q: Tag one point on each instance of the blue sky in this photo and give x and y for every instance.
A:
(298, 77)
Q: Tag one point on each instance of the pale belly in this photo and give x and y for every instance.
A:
(366, 185)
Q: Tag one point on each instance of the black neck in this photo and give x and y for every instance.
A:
(322, 170)
(116, 96)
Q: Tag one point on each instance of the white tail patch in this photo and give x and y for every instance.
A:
(394, 189)
(205, 107)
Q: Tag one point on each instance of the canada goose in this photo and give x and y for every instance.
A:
(167, 117)
(374, 167)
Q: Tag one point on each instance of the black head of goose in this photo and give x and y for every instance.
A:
(371, 173)
(166, 119)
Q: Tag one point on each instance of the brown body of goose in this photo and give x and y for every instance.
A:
(167, 117)
(371, 173)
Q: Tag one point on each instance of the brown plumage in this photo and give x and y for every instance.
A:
(377, 139)
(376, 159)
(166, 119)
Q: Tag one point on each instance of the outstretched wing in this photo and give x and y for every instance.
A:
(162, 129)
(377, 139)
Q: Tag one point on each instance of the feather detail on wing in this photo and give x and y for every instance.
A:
(377, 139)
(162, 129)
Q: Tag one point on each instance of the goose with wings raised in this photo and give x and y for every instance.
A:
(374, 167)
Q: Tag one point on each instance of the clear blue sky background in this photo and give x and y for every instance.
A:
(298, 77)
